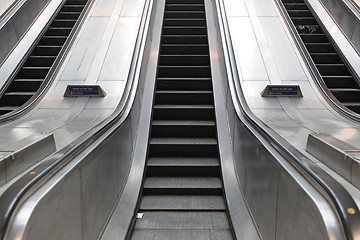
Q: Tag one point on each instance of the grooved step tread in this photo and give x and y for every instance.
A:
(183, 182)
(187, 202)
(182, 161)
(183, 123)
(182, 141)
(183, 92)
(345, 90)
(162, 106)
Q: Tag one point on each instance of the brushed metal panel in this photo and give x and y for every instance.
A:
(118, 57)
(310, 99)
(261, 187)
(58, 216)
(282, 51)
(84, 51)
(250, 63)
(99, 188)
(3, 155)
(27, 14)
(132, 8)
(275, 118)
(236, 8)
(104, 8)
(265, 8)
(27, 152)
(341, 13)
(355, 39)
(113, 90)
(355, 171)
(296, 136)
(331, 152)
(252, 90)
(295, 210)
(55, 98)
(9, 40)
(5, 4)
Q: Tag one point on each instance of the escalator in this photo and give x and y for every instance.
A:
(334, 71)
(182, 195)
(31, 75)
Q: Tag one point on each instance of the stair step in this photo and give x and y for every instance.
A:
(295, 6)
(40, 61)
(299, 13)
(309, 29)
(304, 20)
(58, 31)
(197, 30)
(178, 166)
(46, 50)
(184, 22)
(23, 85)
(184, 7)
(53, 40)
(186, 162)
(184, 39)
(184, 14)
(184, 84)
(340, 82)
(333, 69)
(63, 23)
(183, 129)
(184, 60)
(320, 48)
(322, 58)
(346, 94)
(183, 112)
(183, 97)
(182, 186)
(182, 203)
(183, 147)
(184, 71)
(314, 38)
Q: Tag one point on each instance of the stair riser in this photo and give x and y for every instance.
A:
(183, 131)
(182, 150)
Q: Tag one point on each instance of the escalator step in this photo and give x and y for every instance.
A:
(313, 38)
(183, 147)
(183, 97)
(300, 13)
(309, 29)
(321, 58)
(182, 203)
(304, 20)
(63, 23)
(296, 6)
(340, 82)
(184, 84)
(346, 94)
(38, 61)
(23, 85)
(182, 186)
(332, 69)
(184, 14)
(184, 7)
(183, 39)
(33, 72)
(53, 40)
(184, 22)
(183, 112)
(184, 60)
(68, 15)
(197, 30)
(185, 49)
(196, 129)
(58, 31)
(16, 98)
(73, 8)
(320, 48)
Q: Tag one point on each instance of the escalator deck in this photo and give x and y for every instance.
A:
(36, 67)
(332, 68)
(182, 195)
